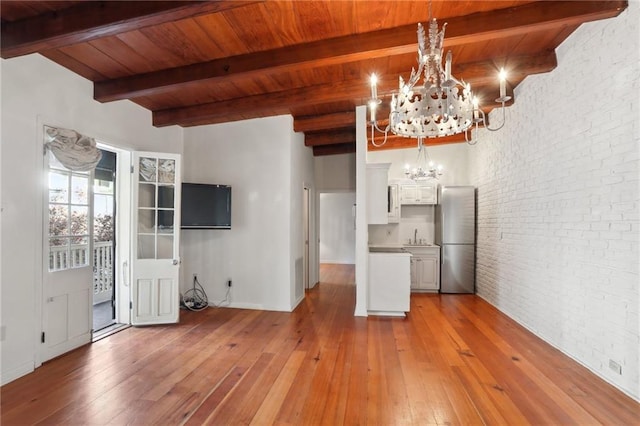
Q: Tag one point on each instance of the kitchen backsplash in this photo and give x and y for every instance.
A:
(412, 218)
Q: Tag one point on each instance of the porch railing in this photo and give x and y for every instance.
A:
(78, 255)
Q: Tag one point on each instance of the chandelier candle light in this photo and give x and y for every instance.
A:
(441, 106)
(430, 171)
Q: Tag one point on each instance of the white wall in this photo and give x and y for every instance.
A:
(37, 91)
(337, 230)
(362, 233)
(559, 203)
(302, 176)
(453, 157)
(263, 161)
(335, 172)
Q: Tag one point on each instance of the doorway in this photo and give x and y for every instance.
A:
(337, 229)
(104, 242)
(306, 211)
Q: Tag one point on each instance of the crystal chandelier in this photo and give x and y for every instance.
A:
(441, 106)
(429, 171)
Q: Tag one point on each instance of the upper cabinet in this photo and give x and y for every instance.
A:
(378, 193)
(393, 202)
(419, 193)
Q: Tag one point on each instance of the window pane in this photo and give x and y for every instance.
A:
(165, 221)
(146, 221)
(166, 171)
(103, 227)
(146, 247)
(165, 247)
(146, 195)
(165, 197)
(102, 186)
(79, 190)
(58, 220)
(79, 220)
(147, 169)
(54, 163)
(58, 187)
(102, 204)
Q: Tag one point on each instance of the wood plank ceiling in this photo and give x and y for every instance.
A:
(193, 63)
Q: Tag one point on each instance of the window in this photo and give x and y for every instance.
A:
(68, 217)
(156, 188)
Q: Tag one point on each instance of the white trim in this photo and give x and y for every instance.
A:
(39, 261)
(17, 372)
(297, 302)
(362, 227)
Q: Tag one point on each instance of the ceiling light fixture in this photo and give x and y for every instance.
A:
(430, 169)
(441, 106)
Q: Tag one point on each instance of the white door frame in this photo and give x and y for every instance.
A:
(306, 237)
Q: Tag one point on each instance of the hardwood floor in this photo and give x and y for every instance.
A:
(453, 360)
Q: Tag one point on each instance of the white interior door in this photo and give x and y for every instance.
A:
(155, 268)
(68, 260)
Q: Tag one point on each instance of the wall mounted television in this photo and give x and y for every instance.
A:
(205, 206)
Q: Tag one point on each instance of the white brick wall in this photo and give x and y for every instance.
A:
(559, 203)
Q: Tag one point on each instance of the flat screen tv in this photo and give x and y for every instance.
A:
(205, 206)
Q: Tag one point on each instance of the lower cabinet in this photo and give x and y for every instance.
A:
(389, 289)
(425, 271)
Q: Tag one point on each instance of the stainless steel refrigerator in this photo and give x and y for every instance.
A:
(455, 232)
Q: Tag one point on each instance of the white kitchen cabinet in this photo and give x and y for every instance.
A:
(394, 203)
(389, 291)
(419, 193)
(425, 269)
(377, 193)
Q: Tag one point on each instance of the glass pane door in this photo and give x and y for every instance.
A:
(156, 208)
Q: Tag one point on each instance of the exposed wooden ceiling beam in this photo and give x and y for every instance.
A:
(517, 67)
(336, 120)
(330, 138)
(259, 104)
(393, 142)
(471, 28)
(400, 142)
(90, 20)
(343, 148)
(351, 90)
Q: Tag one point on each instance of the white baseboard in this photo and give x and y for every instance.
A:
(339, 262)
(16, 372)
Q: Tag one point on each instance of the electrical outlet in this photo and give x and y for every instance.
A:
(229, 283)
(615, 366)
(195, 277)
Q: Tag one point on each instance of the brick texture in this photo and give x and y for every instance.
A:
(558, 201)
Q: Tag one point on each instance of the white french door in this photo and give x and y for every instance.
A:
(68, 260)
(155, 293)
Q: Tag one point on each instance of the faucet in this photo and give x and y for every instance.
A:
(415, 236)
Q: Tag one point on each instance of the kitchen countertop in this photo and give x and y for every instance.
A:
(397, 247)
